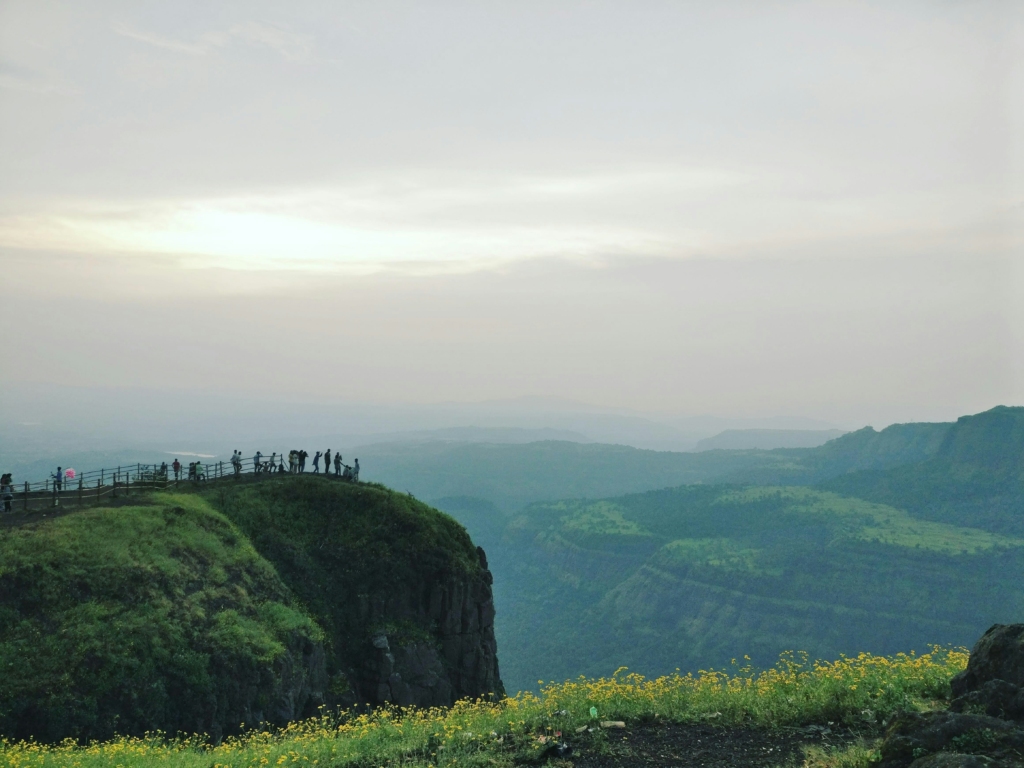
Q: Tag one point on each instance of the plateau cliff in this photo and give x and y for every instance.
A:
(254, 603)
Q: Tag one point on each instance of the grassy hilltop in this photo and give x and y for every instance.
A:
(114, 620)
(200, 611)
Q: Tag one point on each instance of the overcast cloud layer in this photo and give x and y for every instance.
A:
(737, 208)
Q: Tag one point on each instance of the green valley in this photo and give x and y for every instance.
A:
(890, 540)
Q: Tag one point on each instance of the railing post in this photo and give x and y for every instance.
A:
(81, 482)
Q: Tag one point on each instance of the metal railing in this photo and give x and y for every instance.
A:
(124, 481)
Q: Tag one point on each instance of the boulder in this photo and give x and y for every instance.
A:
(916, 736)
(950, 760)
(993, 682)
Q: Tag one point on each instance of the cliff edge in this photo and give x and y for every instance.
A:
(256, 602)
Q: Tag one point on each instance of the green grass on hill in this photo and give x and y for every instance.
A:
(114, 618)
(868, 521)
(745, 514)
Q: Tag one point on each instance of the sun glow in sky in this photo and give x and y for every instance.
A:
(662, 191)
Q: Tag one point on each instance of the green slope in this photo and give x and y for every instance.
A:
(976, 477)
(159, 614)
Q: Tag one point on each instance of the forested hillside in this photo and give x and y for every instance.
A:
(697, 575)
(975, 478)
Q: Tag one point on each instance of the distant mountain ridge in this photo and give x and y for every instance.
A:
(514, 475)
(768, 439)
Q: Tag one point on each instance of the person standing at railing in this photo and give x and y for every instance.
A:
(337, 464)
(316, 462)
(58, 479)
(7, 490)
(236, 462)
(256, 462)
(302, 460)
(355, 472)
(177, 470)
(327, 462)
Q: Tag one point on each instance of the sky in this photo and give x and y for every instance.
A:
(749, 209)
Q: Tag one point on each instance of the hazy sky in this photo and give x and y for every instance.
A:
(737, 208)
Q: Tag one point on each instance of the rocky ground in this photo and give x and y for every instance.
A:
(983, 728)
(703, 745)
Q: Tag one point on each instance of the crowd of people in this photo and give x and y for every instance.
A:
(294, 462)
(277, 464)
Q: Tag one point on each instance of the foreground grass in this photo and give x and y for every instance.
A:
(865, 690)
(852, 756)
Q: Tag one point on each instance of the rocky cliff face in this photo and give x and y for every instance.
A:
(400, 590)
(458, 660)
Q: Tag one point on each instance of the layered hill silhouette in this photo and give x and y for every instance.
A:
(510, 476)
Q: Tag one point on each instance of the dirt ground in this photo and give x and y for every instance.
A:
(664, 745)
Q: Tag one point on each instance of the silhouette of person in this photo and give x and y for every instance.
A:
(7, 490)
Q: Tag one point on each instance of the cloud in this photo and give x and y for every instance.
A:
(200, 48)
(289, 45)
(19, 78)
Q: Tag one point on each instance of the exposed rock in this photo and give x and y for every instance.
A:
(293, 688)
(993, 682)
(458, 658)
(916, 736)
